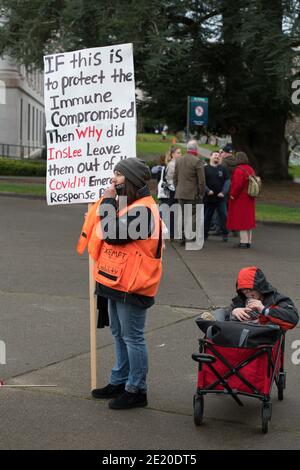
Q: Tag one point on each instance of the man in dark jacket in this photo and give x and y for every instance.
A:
(257, 301)
(217, 184)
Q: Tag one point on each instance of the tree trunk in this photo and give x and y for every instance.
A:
(266, 147)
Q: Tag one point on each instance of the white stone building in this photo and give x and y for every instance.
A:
(22, 122)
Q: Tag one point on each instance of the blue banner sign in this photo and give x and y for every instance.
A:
(198, 111)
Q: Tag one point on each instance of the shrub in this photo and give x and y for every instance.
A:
(10, 167)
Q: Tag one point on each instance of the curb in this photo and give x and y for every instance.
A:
(23, 196)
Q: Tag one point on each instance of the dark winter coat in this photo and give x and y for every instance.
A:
(279, 308)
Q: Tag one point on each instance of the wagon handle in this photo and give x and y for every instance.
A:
(203, 358)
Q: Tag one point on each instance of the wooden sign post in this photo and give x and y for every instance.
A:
(93, 325)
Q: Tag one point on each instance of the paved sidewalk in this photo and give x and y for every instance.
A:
(44, 323)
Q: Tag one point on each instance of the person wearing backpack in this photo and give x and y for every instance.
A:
(241, 207)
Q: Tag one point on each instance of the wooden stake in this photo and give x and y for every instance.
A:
(93, 324)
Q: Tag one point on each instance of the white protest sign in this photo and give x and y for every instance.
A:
(90, 120)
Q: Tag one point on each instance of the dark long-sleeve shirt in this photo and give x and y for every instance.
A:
(216, 180)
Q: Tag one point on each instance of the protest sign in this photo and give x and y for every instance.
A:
(90, 126)
(90, 120)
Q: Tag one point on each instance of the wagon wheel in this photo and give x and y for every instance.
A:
(281, 384)
(266, 413)
(198, 409)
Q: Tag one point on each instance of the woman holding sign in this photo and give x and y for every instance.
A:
(123, 235)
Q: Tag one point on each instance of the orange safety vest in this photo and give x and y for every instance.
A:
(90, 235)
(134, 267)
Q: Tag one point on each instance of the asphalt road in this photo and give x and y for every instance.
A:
(44, 322)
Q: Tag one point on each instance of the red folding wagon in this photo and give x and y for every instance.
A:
(239, 358)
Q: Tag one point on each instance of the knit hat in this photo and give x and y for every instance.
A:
(246, 278)
(134, 170)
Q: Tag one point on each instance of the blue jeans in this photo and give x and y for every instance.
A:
(127, 324)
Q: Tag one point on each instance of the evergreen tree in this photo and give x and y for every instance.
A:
(239, 53)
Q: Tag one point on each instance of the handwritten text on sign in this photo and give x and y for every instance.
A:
(91, 120)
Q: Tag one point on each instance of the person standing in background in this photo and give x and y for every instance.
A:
(189, 180)
(217, 185)
(241, 208)
(173, 153)
(228, 159)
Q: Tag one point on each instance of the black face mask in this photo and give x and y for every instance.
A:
(120, 189)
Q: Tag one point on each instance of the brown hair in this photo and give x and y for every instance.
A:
(130, 191)
(162, 160)
(241, 158)
(169, 154)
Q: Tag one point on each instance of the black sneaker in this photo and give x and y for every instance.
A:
(129, 400)
(110, 391)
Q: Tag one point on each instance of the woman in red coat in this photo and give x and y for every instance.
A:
(241, 209)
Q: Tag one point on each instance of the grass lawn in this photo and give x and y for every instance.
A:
(33, 189)
(274, 213)
(209, 147)
(154, 138)
(294, 171)
(152, 144)
(152, 148)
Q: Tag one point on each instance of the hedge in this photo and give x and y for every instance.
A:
(11, 167)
